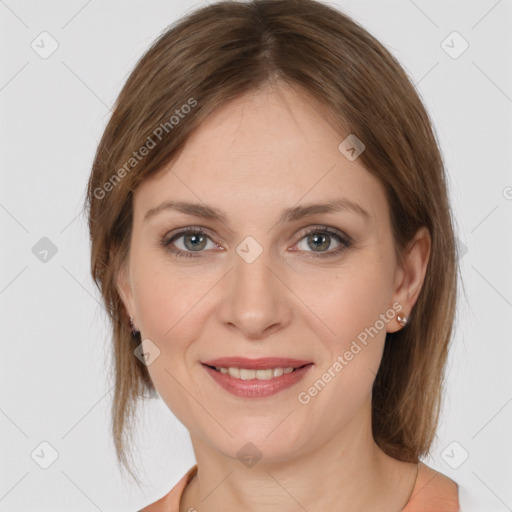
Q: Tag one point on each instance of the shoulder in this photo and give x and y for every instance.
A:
(171, 501)
(433, 492)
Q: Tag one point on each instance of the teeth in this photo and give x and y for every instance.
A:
(234, 372)
(246, 374)
(264, 374)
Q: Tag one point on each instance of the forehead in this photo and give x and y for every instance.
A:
(261, 152)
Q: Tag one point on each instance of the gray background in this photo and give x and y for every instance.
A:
(55, 338)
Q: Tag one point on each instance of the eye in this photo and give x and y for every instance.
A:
(189, 241)
(321, 240)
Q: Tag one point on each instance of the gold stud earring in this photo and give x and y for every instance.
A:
(402, 320)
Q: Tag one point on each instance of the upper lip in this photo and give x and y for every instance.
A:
(256, 364)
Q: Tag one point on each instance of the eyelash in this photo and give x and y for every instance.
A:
(345, 241)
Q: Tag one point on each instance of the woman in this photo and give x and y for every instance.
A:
(272, 237)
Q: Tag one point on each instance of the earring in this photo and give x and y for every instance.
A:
(132, 326)
(402, 320)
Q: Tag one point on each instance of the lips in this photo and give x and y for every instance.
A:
(256, 378)
(256, 364)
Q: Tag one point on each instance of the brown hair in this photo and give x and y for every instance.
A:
(222, 51)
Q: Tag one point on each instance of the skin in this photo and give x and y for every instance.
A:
(261, 153)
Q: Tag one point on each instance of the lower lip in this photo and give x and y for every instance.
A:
(255, 388)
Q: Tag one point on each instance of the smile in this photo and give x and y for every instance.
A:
(258, 378)
(247, 374)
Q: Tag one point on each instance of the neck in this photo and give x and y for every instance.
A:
(347, 472)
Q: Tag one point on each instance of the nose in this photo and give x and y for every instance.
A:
(255, 299)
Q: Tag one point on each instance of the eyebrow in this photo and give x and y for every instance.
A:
(291, 214)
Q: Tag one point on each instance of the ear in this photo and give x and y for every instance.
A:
(411, 275)
(124, 288)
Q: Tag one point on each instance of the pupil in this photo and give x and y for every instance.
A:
(322, 245)
(194, 238)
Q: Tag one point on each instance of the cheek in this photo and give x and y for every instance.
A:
(348, 299)
(350, 307)
(351, 303)
(168, 304)
(167, 298)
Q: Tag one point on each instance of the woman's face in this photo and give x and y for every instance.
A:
(256, 285)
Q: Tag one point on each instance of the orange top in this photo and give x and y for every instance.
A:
(433, 492)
